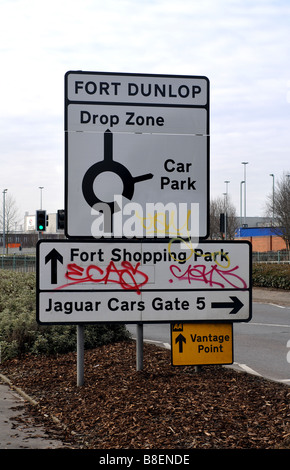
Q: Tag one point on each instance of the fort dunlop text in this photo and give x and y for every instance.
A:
(163, 90)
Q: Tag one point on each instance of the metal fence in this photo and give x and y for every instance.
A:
(27, 263)
(18, 263)
(272, 257)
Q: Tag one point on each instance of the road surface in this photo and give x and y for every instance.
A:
(261, 346)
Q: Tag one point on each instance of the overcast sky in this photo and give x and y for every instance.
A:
(242, 46)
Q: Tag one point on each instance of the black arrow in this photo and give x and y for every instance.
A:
(180, 339)
(54, 256)
(236, 304)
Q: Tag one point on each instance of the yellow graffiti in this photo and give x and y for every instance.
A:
(158, 224)
(190, 247)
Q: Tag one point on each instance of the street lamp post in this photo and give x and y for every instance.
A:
(226, 209)
(241, 191)
(245, 196)
(41, 188)
(4, 192)
(227, 182)
(273, 198)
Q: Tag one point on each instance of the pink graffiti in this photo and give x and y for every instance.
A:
(210, 277)
(126, 276)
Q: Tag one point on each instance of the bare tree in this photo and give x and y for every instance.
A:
(11, 215)
(220, 206)
(278, 207)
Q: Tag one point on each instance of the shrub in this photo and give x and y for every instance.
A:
(21, 334)
(276, 276)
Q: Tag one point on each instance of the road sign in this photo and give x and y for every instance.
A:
(84, 282)
(201, 343)
(132, 142)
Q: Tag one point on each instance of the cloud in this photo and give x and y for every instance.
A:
(242, 46)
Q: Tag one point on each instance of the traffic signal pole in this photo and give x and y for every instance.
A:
(80, 355)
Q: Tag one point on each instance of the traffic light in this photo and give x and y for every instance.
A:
(223, 221)
(60, 219)
(41, 221)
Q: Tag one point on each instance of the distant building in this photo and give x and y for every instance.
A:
(255, 222)
(26, 239)
(262, 238)
(30, 223)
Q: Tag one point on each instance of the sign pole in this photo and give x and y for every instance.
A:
(139, 347)
(80, 355)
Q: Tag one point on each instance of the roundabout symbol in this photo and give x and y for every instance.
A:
(108, 164)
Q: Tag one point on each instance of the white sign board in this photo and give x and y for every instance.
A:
(87, 282)
(134, 145)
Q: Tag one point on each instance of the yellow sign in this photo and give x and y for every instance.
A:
(201, 343)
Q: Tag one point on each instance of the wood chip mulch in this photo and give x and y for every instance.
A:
(160, 407)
